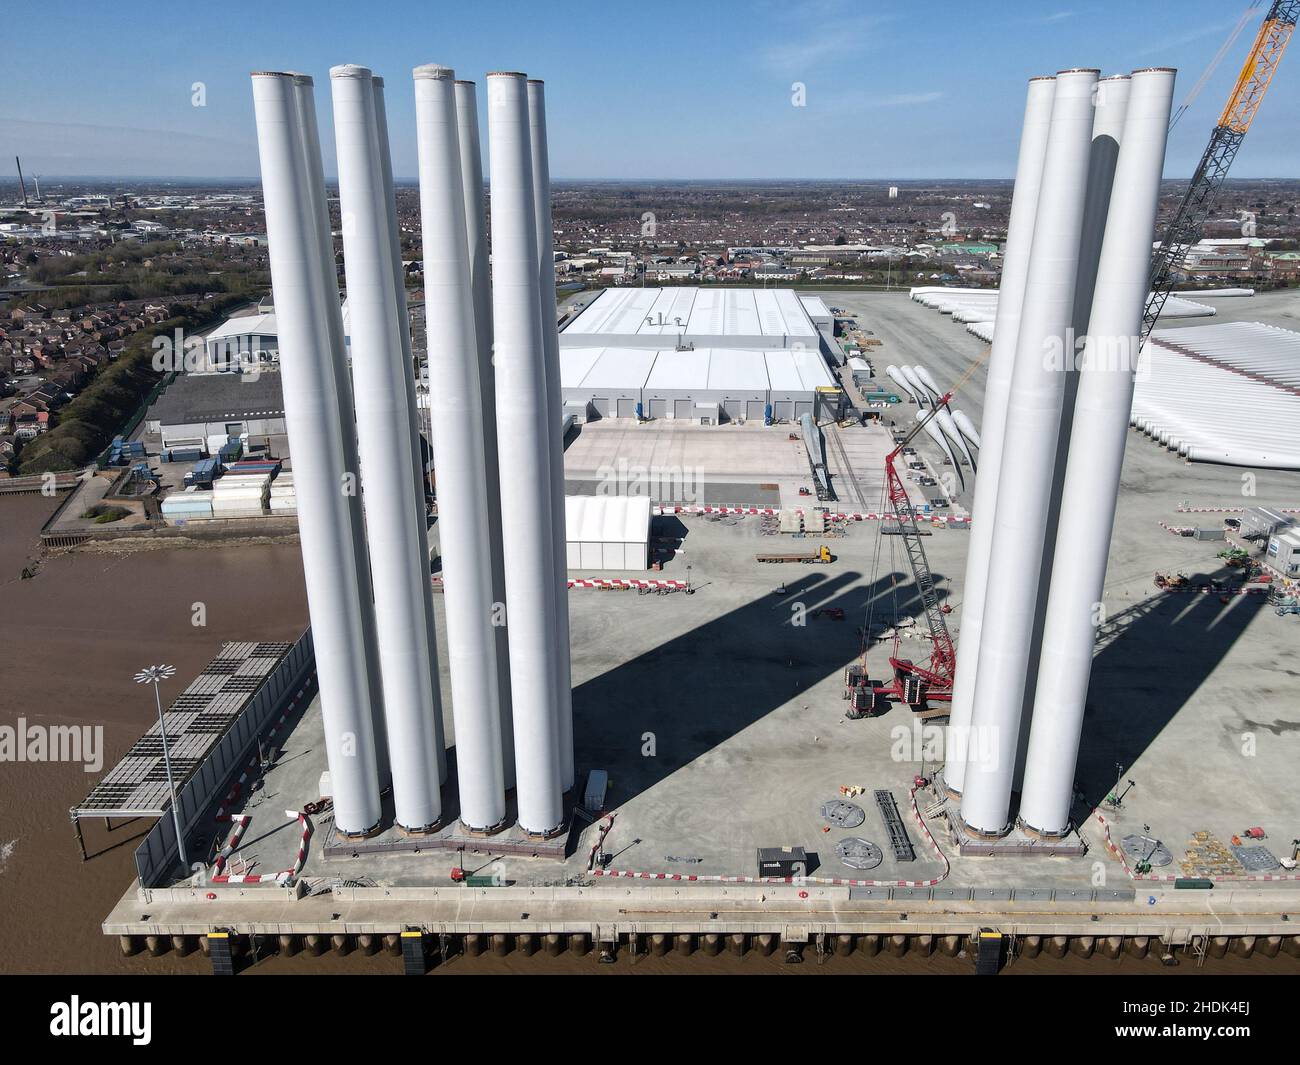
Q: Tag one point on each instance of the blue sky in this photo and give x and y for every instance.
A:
(660, 89)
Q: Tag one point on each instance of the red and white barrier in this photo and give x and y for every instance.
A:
(1221, 589)
(941, 519)
(241, 820)
(624, 583)
(1231, 510)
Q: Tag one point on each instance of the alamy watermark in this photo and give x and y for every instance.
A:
(22, 742)
(683, 484)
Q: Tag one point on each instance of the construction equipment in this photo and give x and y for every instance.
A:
(1203, 190)
(815, 446)
(859, 692)
(1234, 557)
(821, 556)
(915, 685)
(1170, 580)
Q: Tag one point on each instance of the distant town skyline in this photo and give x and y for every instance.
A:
(819, 90)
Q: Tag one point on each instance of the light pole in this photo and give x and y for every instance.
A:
(155, 675)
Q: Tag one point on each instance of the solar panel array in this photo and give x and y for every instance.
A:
(195, 721)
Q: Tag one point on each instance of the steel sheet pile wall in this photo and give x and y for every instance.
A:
(1054, 440)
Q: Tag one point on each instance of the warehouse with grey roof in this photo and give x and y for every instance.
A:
(705, 355)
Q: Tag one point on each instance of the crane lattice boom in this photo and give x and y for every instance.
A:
(1185, 229)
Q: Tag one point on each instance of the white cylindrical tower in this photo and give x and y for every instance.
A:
(997, 392)
(317, 207)
(555, 415)
(319, 464)
(1103, 402)
(523, 444)
(383, 433)
(471, 173)
(456, 414)
(1029, 459)
(1110, 105)
(418, 497)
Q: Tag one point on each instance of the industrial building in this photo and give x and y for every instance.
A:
(706, 385)
(607, 532)
(1284, 553)
(199, 409)
(249, 341)
(754, 318)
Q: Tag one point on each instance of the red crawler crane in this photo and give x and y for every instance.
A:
(917, 686)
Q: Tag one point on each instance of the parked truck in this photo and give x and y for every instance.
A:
(821, 556)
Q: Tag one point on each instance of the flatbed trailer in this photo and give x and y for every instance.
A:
(821, 556)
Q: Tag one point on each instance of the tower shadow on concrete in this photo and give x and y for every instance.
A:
(1149, 670)
(703, 687)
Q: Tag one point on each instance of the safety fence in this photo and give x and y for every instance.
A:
(156, 856)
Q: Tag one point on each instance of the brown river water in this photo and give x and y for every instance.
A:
(70, 640)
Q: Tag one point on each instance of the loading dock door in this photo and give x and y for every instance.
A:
(659, 408)
(734, 409)
(754, 410)
(627, 408)
(683, 408)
